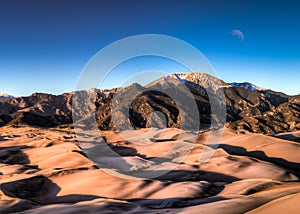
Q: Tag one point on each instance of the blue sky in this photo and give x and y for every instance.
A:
(44, 45)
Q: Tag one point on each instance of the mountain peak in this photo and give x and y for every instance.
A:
(5, 97)
(196, 80)
(247, 86)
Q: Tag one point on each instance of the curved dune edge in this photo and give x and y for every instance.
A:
(46, 171)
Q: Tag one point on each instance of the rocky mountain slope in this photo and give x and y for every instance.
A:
(248, 107)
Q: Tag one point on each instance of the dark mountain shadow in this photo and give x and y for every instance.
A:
(287, 136)
(150, 205)
(125, 151)
(137, 119)
(13, 155)
(197, 175)
(175, 202)
(41, 190)
(237, 150)
(21, 206)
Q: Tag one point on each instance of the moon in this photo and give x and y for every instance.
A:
(238, 34)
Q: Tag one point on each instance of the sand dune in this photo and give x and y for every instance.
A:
(154, 171)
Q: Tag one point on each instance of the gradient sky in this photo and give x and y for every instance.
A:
(44, 44)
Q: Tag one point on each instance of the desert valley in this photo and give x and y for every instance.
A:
(254, 167)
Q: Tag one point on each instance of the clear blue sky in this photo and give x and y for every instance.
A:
(45, 44)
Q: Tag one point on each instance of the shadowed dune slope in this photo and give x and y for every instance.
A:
(149, 171)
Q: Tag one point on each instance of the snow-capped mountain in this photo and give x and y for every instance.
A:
(199, 81)
(211, 82)
(203, 79)
(4, 97)
(202, 82)
(247, 86)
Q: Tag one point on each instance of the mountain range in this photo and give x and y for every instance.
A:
(248, 108)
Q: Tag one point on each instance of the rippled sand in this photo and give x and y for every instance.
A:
(46, 171)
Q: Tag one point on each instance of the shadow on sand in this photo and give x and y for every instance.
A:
(237, 150)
